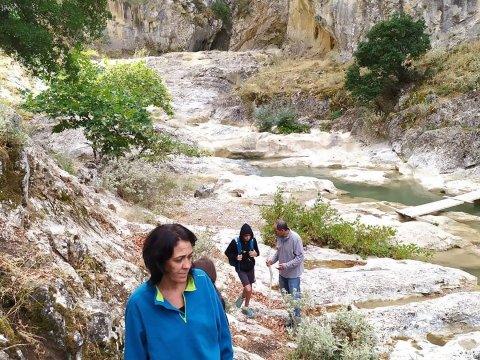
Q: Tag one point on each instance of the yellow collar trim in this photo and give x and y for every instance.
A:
(190, 287)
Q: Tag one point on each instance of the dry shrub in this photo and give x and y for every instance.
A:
(19, 278)
(139, 182)
(319, 78)
(452, 71)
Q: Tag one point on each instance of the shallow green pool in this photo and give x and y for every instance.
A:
(401, 191)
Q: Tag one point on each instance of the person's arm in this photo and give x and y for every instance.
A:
(255, 246)
(231, 252)
(274, 258)
(135, 337)
(224, 337)
(298, 254)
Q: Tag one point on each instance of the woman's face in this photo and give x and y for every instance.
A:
(178, 266)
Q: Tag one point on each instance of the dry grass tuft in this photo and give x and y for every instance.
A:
(318, 78)
(19, 277)
(451, 72)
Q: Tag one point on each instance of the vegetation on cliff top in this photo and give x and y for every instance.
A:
(42, 33)
(443, 73)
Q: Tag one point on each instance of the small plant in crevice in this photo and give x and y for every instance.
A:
(278, 117)
(65, 163)
(222, 11)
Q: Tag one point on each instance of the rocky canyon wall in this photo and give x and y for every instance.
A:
(161, 26)
(321, 25)
(347, 21)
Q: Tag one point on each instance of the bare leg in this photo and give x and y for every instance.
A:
(247, 294)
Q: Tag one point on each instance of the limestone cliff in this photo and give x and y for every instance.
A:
(162, 26)
(347, 21)
(258, 24)
(321, 25)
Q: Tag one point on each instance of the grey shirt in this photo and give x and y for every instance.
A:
(290, 253)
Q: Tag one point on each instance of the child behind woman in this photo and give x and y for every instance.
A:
(208, 266)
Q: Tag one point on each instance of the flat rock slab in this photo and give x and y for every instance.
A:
(451, 322)
(383, 280)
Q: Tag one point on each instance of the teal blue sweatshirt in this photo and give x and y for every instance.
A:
(154, 329)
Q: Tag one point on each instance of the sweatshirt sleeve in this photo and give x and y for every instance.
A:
(298, 254)
(135, 338)
(274, 257)
(255, 246)
(231, 250)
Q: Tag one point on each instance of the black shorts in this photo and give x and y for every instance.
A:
(246, 277)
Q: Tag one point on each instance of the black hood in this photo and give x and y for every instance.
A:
(246, 229)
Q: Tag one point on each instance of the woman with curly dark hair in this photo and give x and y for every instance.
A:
(176, 314)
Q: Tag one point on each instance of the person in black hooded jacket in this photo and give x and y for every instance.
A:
(244, 264)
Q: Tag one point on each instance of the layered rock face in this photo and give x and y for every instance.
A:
(258, 24)
(321, 25)
(347, 21)
(446, 140)
(162, 26)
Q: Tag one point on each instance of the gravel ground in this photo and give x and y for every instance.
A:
(212, 211)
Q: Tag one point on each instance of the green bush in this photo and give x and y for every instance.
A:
(275, 115)
(222, 12)
(343, 335)
(110, 104)
(383, 60)
(42, 33)
(321, 225)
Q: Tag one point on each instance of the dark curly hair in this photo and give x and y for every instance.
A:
(158, 247)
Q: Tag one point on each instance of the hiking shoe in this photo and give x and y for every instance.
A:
(248, 312)
(239, 301)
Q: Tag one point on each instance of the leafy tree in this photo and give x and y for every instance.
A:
(42, 33)
(383, 60)
(109, 103)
